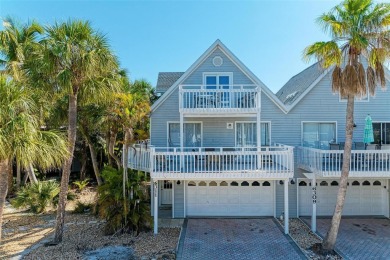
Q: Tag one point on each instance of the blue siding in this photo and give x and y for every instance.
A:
(207, 66)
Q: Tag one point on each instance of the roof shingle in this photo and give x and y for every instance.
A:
(298, 84)
(166, 79)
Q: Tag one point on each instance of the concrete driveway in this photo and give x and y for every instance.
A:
(235, 239)
(360, 238)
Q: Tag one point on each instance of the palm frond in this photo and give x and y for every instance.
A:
(371, 80)
(337, 79)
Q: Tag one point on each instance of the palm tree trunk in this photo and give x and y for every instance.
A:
(10, 177)
(3, 189)
(72, 129)
(31, 174)
(330, 239)
(84, 160)
(18, 175)
(111, 146)
(95, 164)
(92, 152)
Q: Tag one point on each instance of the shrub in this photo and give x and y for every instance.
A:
(123, 214)
(81, 184)
(37, 196)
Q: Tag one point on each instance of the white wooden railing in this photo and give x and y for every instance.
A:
(198, 98)
(328, 163)
(267, 162)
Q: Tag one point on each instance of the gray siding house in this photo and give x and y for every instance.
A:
(207, 157)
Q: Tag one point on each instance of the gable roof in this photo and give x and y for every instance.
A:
(166, 79)
(297, 85)
(218, 44)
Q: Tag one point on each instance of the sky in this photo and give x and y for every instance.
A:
(168, 36)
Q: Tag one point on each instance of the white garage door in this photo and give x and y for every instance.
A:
(230, 198)
(364, 197)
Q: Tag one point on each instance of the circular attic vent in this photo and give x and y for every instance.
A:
(217, 61)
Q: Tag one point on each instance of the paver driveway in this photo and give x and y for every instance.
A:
(236, 239)
(360, 238)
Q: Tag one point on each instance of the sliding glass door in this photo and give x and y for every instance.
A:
(192, 135)
(246, 135)
(318, 135)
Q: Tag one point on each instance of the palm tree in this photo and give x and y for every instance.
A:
(15, 42)
(21, 136)
(358, 29)
(75, 61)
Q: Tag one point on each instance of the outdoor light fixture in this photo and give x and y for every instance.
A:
(292, 182)
(354, 125)
(178, 182)
(281, 182)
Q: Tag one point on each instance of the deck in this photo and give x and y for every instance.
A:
(328, 163)
(214, 163)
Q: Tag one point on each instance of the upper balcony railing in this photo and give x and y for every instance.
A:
(328, 163)
(231, 98)
(275, 162)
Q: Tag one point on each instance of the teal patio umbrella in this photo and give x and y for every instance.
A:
(368, 132)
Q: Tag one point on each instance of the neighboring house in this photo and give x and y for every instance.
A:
(224, 165)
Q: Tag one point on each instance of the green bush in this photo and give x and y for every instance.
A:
(81, 184)
(37, 196)
(123, 214)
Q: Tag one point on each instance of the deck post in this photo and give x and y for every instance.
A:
(258, 133)
(286, 215)
(314, 199)
(151, 197)
(155, 224)
(181, 140)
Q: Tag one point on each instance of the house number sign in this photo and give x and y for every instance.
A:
(314, 197)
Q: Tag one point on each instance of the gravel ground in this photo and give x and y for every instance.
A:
(305, 239)
(27, 233)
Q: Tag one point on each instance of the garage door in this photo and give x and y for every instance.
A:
(364, 197)
(230, 198)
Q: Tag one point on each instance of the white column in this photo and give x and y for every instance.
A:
(258, 132)
(181, 130)
(314, 200)
(152, 197)
(181, 139)
(173, 198)
(155, 188)
(286, 215)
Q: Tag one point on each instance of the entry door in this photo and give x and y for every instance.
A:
(166, 192)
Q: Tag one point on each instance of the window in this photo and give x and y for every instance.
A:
(217, 81)
(246, 135)
(381, 133)
(192, 135)
(318, 135)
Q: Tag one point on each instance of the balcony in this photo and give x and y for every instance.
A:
(328, 163)
(200, 99)
(274, 162)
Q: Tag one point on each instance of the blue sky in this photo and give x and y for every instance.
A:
(153, 36)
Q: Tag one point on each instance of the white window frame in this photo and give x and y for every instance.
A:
(217, 74)
(190, 122)
(266, 122)
(326, 122)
